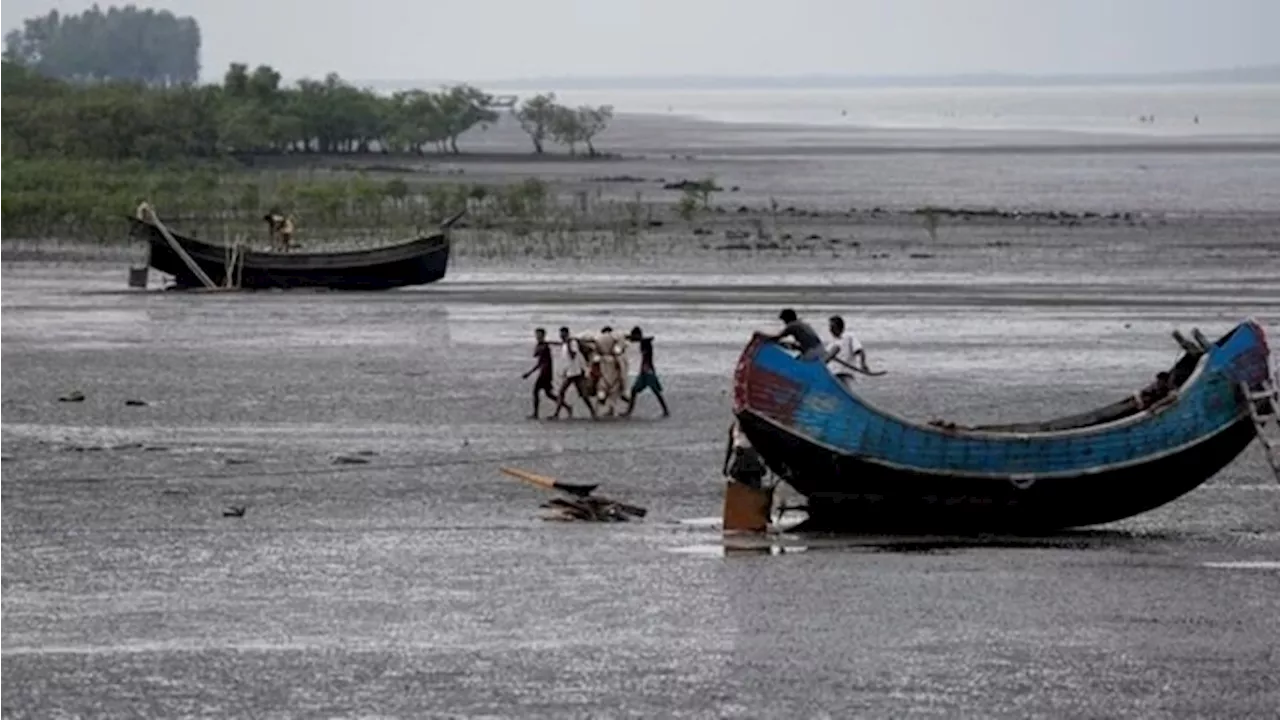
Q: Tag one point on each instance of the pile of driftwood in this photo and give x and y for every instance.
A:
(578, 503)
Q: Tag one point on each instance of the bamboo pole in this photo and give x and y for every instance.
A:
(178, 249)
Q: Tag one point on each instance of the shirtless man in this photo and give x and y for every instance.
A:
(573, 371)
(648, 375)
(802, 335)
(543, 366)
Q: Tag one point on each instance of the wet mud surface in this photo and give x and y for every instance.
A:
(422, 582)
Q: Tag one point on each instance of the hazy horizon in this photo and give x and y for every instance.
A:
(512, 40)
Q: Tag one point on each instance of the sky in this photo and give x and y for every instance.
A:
(486, 40)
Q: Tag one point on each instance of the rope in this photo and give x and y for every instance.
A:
(371, 467)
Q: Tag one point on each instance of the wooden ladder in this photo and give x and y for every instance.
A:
(1266, 423)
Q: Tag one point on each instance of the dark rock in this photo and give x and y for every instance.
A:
(693, 185)
(350, 460)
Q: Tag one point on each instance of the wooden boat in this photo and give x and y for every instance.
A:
(416, 262)
(862, 468)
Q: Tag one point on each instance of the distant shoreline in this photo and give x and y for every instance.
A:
(1260, 75)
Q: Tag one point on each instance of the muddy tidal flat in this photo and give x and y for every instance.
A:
(384, 568)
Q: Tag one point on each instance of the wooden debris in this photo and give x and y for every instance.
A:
(73, 396)
(136, 403)
(581, 504)
(235, 511)
(350, 460)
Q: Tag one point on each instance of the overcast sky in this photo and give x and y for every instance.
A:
(504, 39)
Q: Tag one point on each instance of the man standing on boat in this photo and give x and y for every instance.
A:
(280, 228)
(803, 337)
(846, 355)
(648, 375)
(542, 353)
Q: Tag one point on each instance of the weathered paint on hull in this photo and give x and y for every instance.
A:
(848, 494)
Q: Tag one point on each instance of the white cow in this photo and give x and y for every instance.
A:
(611, 383)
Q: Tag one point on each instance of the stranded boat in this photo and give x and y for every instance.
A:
(862, 468)
(416, 262)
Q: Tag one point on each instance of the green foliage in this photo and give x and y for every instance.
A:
(145, 46)
(687, 207)
(536, 116)
(571, 126)
(250, 113)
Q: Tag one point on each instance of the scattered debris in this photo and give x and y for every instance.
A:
(693, 185)
(580, 503)
(235, 511)
(136, 403)
(238, 461)
(617, 179)
(73, 396)
(350, 460)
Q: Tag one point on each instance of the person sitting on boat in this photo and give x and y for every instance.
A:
(846, 355)
(1161, 390)
(803, 337)
(741, 461)
(144, 212)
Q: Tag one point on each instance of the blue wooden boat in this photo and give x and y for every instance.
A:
(865, 469)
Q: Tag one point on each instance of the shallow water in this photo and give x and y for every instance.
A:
(422, 583)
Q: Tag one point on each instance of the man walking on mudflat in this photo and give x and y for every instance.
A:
(648, 375)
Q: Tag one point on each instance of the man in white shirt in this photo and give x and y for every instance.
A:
(845, 355)
(573, 372)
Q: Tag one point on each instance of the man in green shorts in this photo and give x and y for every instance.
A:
(648, 375)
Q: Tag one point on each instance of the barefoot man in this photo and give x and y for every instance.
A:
(648, 375)
(573, 371)
(542, 354)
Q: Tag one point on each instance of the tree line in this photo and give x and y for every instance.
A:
(146, 46)
(252, 112)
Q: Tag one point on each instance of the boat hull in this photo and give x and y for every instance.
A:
(416, 262)
(851, 494)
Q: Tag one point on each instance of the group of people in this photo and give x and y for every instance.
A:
(595, 367)
(844, 355)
